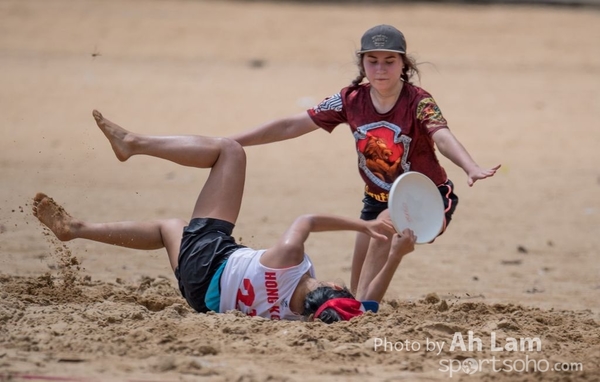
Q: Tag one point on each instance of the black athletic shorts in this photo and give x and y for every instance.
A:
(372, 208)
(206, 244)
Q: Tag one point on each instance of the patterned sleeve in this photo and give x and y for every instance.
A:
(329, 113)
(430, 116)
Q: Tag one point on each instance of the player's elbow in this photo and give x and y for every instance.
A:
(306, 221)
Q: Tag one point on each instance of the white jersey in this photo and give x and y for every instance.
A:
(252, 288)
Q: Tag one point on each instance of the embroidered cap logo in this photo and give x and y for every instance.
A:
(379, 40)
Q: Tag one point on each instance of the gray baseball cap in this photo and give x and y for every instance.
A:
(382, 38)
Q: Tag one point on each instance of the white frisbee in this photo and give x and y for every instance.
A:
(415, 203)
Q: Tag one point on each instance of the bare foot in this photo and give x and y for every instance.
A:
(117, 136)
(54, 217)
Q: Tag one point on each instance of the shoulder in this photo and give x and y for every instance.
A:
(422, 100)
(417, 92)
(354, 93)
(356, 89)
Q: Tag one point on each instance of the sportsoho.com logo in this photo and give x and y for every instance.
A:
(472, 365)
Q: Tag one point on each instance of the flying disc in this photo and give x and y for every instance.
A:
(415, 203)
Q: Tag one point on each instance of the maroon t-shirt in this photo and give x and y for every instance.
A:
(387, 144)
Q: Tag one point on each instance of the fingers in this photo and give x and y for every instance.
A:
(406, 234)
(377, 234)
(482, 175)
(381, 229)
(409, 233)
(386, 233)
(403, 243)
(389, 227)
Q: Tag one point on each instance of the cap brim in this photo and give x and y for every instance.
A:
(381, 50)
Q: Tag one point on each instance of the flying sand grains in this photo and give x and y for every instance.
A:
(68, 264)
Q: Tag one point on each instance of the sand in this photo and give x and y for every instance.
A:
(519, 86)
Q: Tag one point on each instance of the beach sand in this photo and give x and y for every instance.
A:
(519, 86)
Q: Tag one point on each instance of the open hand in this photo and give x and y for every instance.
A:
(479, 173)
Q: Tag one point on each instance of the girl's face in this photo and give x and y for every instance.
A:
(383, 69)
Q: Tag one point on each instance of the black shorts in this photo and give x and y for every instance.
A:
(372, 208)
(206, 244)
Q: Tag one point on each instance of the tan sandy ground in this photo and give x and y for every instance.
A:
(520, 86)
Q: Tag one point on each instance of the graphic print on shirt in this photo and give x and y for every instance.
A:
(331, 103)
(245, 298)
(429, 112)
(382, 152)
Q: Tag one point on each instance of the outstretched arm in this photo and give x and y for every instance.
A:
(289, 250)
(402, 244)
(277, 130)
(452, 149)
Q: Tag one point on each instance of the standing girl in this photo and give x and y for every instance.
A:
(396, 126)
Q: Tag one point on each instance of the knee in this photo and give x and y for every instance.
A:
(171, 231)
(175, 225)
(176, 222)
(384, 215)
(232, 149)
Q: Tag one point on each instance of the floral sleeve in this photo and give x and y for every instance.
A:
(430, 116)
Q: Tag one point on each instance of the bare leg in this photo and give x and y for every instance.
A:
(221, 196)
(374, 260)
(137, 235)
(361, 245)
(375, 288)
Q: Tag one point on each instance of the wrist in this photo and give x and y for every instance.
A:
(471, 168)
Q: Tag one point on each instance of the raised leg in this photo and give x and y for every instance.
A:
(221, 195)
(137, 235)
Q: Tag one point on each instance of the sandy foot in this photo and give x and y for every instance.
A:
(54, 217)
